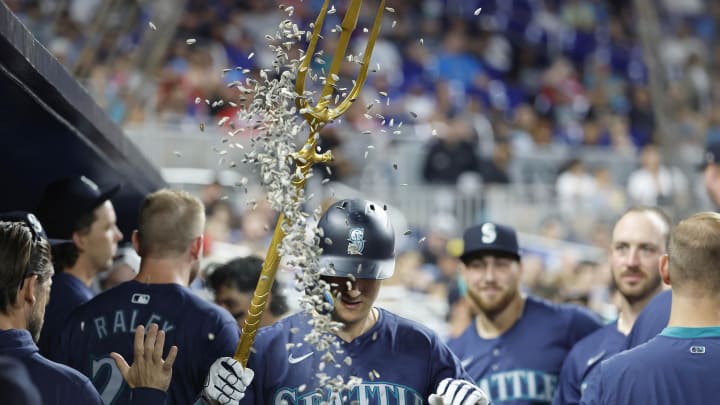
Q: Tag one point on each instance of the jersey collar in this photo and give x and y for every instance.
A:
(690, 333)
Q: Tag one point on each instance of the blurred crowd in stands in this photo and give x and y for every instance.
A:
(479, 90)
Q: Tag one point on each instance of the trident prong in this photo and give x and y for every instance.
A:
(316, 117)
(321, 114)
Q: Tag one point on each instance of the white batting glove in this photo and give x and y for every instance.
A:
(226, 382)
(458, 392)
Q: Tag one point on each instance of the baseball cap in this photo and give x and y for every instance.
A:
(711, 155)
(490, 238)
(33, 223)
(67, 199)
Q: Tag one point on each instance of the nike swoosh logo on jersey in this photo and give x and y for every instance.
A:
(592, 360)
(295, 360)
(466, 361)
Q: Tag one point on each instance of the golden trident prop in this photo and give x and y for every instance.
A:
(317, 117)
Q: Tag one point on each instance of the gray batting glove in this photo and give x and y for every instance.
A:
(226, 382)
(458, 392)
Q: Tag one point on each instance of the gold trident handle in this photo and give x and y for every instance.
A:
(317, 117)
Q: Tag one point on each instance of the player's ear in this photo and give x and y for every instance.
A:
(196, 247)
(135, 238)
(79, 240)
(663, 269)
(28, 290)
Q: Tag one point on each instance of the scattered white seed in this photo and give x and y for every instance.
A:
(190, 41)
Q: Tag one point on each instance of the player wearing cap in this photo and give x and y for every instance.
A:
(25, 280)
(169, 241)
(409, 362)
(639, 239)
(78, 211)
(681, 364)
(515, 346)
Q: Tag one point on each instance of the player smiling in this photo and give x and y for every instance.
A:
(515, 346)
(401, 362)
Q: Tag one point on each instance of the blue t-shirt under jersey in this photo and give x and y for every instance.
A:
(679, 366)
(521, 366)
(407, 362)
(583, 359)
(201, 330)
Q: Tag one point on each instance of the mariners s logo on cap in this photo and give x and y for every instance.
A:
(489, 233)
(356, 239)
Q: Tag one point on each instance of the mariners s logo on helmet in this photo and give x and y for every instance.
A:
(356, 239)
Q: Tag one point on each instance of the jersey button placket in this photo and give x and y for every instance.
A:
(496, 355)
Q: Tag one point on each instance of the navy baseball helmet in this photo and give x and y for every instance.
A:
(33, 223)
(490, 238)
(357, 240)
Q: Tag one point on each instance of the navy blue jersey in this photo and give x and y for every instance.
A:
(407, 362)
(651, 321)
(15, 383)
(522, 365)
(201, 330)
(679, 366)
(66, 294)
(582, 359)
(57, 383)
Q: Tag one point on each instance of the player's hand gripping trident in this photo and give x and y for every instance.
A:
(458, 392)
(317, 117)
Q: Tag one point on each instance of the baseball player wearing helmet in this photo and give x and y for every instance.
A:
(681, 364)
(169, 241)
(515, 346)
(639, 238)
(400, 362)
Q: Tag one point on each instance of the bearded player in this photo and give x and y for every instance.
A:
(401, 362)
(515, 346)
(681, 364)
(639, 239)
